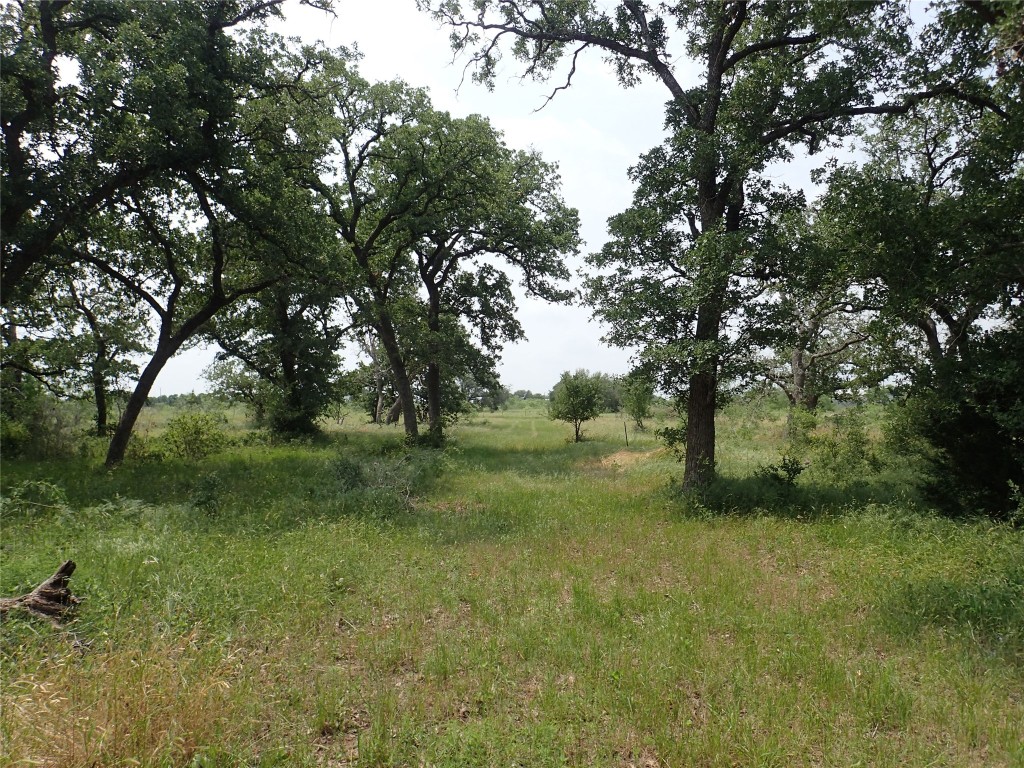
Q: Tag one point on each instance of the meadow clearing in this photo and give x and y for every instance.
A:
(514, 599)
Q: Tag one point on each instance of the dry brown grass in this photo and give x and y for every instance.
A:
(121, 707)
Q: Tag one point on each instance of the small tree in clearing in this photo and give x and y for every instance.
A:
(637, 397)
(576, 398)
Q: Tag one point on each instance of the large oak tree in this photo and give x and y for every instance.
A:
(747, 83)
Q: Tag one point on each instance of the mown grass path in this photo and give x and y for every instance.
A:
(531, 602)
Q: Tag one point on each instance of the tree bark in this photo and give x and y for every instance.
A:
(51, 600)
(137, 401)
(434, 416)
(394, 412)
(700, 430)
(389, 339)
(378, 411)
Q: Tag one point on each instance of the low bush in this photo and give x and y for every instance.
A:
(195, 435)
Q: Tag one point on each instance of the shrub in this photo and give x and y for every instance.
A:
(195, 435)
(637, 397)
(14, 437)
(970, 415)
(35, 496)
(785, 472)
(845, 451)
(345, 474)
(207, 493)
(41, 427)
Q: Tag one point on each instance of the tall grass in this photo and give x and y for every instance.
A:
(514, 599)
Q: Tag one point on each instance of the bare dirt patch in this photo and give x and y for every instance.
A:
(624, 459)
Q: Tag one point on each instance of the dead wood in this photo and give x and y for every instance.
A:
(50, 600)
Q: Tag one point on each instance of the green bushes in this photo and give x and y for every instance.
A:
(195, 435)
(37, 425)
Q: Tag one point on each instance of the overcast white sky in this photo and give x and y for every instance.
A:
(595, 131)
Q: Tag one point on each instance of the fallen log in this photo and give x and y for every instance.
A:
(50, 600)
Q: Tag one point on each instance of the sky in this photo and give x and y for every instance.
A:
(594, 131)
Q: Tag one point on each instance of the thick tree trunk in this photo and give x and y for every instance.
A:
(716, 203)
(434, 416)
(51, 600)
(700, 431)
(799, 377)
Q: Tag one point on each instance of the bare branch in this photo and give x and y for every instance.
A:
(568, 78)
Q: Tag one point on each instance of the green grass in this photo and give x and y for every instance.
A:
(514, 600)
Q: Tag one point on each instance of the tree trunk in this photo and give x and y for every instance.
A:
(137, 401)
(434, 416)
(700, 431)
(394, 412)
(99, 389)
(799, 372)
(389, 339)
(699, 469)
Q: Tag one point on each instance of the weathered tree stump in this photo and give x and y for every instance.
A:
(50, 600)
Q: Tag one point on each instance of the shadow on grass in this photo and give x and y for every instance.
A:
(800, 501)
(988, 609)
(257, 489)
(260, 489)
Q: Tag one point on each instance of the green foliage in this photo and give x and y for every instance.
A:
(674, 438)
(161, 104)
(35, 497)
(207, 493)
(14, 436)
(576, 399)
(427, 215)
(611, 392)
(842, 451)
(195, 435)
(637, 397)
(346, 474)
(785, 472)
(34, 423)
(279, 354)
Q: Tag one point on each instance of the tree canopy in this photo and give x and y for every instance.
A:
(695, 250)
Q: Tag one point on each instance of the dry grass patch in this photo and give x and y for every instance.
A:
(114, 707)
(626, 458)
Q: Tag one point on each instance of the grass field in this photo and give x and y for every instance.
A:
(513, 600)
